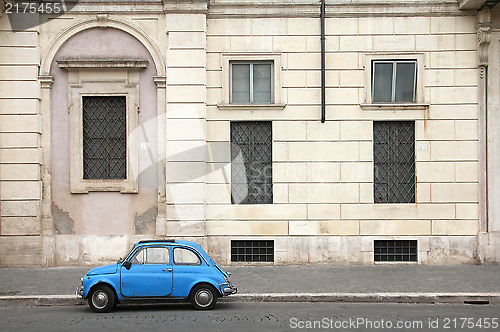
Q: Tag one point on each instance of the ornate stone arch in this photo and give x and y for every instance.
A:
(46, 80)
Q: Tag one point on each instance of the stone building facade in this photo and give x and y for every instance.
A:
(202, 120)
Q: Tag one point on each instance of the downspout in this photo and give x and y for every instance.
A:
(323, 69)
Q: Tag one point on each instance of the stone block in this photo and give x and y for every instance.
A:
(454, 95)
(20, 208)
(397, 211)
(186, 111)
(269, 26)
(247, 228)
(467, 211)
(365, 151)
(467, 172)
(214, 79)
(20, 123)
(466, 77)
(186, 76)
(280, 193)
(458, 59)
(186, 228)
(444, 77)
(423, 193)
(23, 172)
(186, 94)
(323, 172)
(18, 106)
(220, 44)
(356, 43)
(356, 172)
(251, 44)
(356, 130)
(19, 56)
(21, 251)
(20, 190)
(466, 42)
(454, 192)
(322, 151)
(303, 96)
(289, 44)
(289, 172)
(395, 227)
(19, 89)
(186, 58)
(180, 193)
(436, 172)
(183, 22)
(214, 96)
(280, 151)
(341, 26)
(394, 43)
(266, 212)
(304, 61)
(181, 172)
(228, 26)
(189, 40)
(20, 156)
(185, 129)
(69, 250)
(366, 193)
(324, 193)
(376, 26)
(466, 130)
(18, 38)
(294, 79)
(348, 96)
(435, 43)
(18, 73)
(289, 130)
(302, 26)
(455, 227)
(443, 25)
(327, 131)
(191, 151)
(342, 61)
(454, 151)
(185, 212)
(20, 226)
(99, 249)
(214, 61)
(218, 194)
(323, 211)
(218, 131)
(352, 78)
(218, 173)
(412, 25)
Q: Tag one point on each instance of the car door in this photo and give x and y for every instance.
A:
(149, 275)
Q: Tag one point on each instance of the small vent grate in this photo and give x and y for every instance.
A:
(395, 250)
(252, 251)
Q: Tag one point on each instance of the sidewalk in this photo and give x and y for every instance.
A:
(378, 283)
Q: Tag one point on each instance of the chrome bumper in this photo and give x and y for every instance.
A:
(230, 290)
(79, 292)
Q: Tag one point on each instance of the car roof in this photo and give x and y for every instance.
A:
(194, 245)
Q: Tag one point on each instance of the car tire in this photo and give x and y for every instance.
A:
(102, 299)
(203, 297)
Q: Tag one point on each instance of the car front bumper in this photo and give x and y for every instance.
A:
(79, 292)
(229, 290)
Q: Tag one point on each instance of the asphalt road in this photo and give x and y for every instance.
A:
(257, 317)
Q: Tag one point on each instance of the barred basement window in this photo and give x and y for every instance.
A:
(395, 250)
(104, 137)
(251, 163)
(252, 251)
(394, 161)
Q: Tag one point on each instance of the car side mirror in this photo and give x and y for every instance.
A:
(127, 265)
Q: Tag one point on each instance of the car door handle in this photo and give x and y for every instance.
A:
(167, 270)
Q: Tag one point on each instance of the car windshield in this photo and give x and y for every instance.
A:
(128, 253)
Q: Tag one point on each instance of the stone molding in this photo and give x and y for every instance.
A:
(102, 63)
(46, 81)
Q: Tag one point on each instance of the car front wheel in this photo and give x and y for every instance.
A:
(203, 297)
(102, 299)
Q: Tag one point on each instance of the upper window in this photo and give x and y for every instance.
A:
(152, 255)
(252, 82)
(185, 257)
(104, 137)
(394, 81)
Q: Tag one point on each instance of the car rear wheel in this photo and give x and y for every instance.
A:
(102, 299)
(203, 297)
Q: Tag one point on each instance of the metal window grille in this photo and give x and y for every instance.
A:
(395, 250)
(251, 163)
(104, 137)
(252, 251)
(394, 161)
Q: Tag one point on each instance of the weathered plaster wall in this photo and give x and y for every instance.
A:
(102, 213)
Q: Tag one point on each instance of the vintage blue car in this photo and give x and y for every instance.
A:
(157, 269)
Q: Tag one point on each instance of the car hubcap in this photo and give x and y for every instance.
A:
(99, 299)
(204, 298)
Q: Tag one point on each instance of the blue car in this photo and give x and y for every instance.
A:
(157, 269)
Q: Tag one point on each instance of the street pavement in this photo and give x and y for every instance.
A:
(310, 283)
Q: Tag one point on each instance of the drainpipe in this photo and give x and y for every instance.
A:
(323, 69)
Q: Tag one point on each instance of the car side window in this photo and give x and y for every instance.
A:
(184, 256)
(152, 255)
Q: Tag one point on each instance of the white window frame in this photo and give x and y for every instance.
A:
(394, 78)
(251, 64)
(419, 102)
(273, 58)
(103, 78)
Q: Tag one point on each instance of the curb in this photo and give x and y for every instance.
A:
(455, 298)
